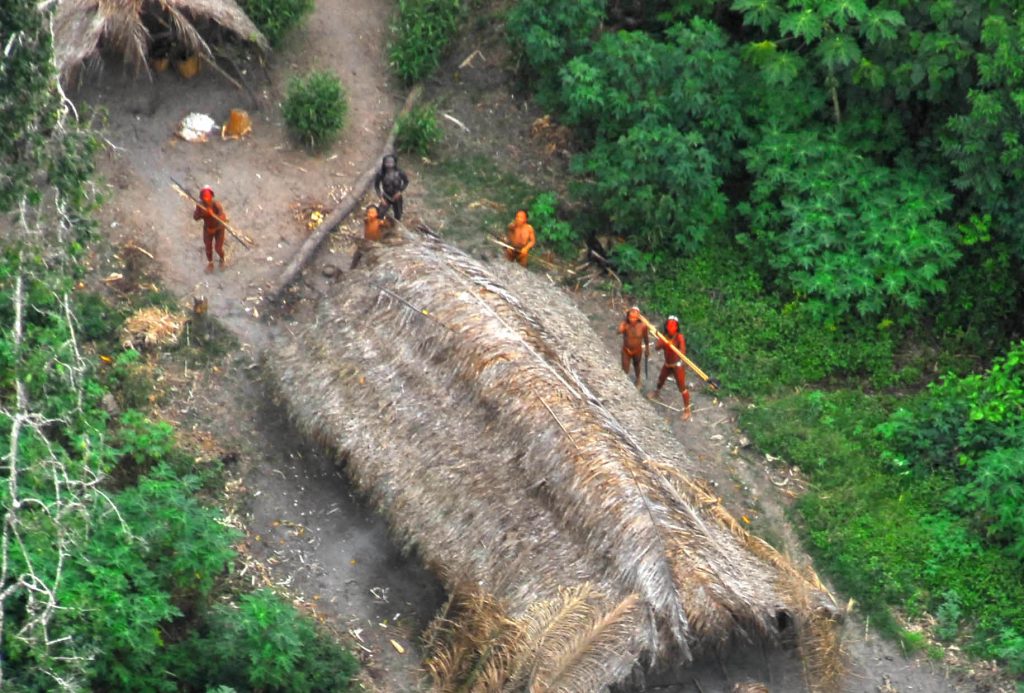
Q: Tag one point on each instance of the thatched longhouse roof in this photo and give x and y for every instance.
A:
(83, 27)
(573, 543)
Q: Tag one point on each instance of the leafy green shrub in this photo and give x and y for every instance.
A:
(97, 321)
(1010, 648)
(661, 144)
(959, 418)
(420, 35)
(971, 428)
(263, 643)
(551, 231)
(627, 77)
(129, 378)
(994, 496)
(888, 539)
(418, 130)
(315, 108)
(546, 34)
(275, 18)
(142, 441)
(983, 144)
(848, 233)
(658, 185)
(948, 617)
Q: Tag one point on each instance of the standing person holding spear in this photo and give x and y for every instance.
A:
(215, 222)
(675, 343)
(673, 363)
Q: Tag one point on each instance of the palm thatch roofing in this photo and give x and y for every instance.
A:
(475, 408)
(83, 27)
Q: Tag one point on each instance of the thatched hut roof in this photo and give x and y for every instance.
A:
(480, 426)
(82, 27)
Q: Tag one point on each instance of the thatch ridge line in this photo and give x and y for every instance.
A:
(658, 584)
(542, 337)
(488, 285)
(721, 589)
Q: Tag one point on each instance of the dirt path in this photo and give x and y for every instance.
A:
(317, 540)
(265, 181)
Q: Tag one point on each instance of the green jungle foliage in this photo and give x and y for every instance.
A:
(971, 430)
(421, 32)
(315, 108)
(892, 539)
(558, 234)
(862, 157)
(116, 521)
(547, 33)
(115, 562)
(418, 130)
(275, 18)
(829, 193)
(855, 237)
(756, 345)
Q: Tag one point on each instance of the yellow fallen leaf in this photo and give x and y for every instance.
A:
(746, 519)
(398, 648)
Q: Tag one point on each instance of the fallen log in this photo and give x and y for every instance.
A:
(348, 203)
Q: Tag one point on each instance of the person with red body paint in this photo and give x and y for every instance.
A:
(673, 364)
(212, 213)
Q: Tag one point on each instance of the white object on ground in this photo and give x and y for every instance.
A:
(196, 127)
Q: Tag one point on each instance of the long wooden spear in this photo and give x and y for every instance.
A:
(185, 193)
(503, 244)
(712, 382)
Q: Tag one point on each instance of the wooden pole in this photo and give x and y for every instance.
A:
(503, 244)
(345, 207)
(231, 229)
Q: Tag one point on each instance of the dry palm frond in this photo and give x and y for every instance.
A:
(152, 327)
(471, 644)
(82, 27)
(551, 620)
(585, 659)
(572, 643)
(749, 687)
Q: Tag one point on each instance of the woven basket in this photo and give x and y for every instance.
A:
(239, 124)
(189, 67)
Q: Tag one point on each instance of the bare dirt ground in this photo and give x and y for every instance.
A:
(307, 533)
(265, 180)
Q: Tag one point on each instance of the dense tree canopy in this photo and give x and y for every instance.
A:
(863, 154)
